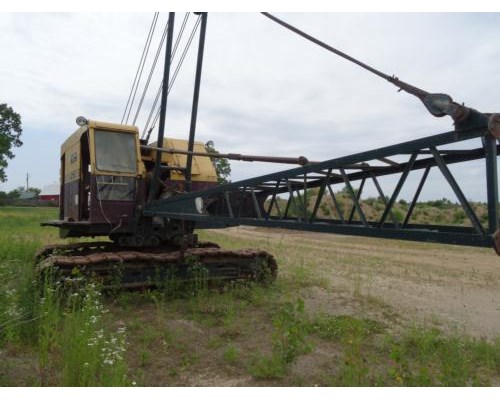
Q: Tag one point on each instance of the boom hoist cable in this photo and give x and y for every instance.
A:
(153, 66)
(158, 92)
(176, 72)
(140, 74)
(438, 104)
(179, 36)
(140, 67)
(160, 45)
(172, 81)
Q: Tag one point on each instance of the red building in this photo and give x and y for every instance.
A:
(50, 193)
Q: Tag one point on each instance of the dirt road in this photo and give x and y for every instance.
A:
(454, 287)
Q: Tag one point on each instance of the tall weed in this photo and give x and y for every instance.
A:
(92, 355)
(48, 314)
(289, 340)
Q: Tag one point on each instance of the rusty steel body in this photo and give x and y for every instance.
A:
(105, 261)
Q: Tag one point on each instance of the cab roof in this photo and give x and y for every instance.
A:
(76, 136)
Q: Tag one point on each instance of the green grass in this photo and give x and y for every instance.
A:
(20, 237)
(428, 358)
(338, 327)
(419, 357)
(231, 354)
(92, 354)
(50, 336)
(65, 328)
(289, 341)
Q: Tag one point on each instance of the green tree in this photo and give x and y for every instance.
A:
(222, 165)
(4, 199)
(14, 194)
(10, 133)
(35, 190)
(9, 197)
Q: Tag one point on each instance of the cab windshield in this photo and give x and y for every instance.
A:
(115, 151)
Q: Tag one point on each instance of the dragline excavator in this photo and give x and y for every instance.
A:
(149, 198)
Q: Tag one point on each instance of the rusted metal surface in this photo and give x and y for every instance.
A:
(47, 250)
(301, 160)
(102, 259)
(170, 257)
(83, 248)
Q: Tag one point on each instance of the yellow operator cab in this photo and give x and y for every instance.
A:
(108, 152)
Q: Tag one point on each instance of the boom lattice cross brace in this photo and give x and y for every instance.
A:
(255, 201)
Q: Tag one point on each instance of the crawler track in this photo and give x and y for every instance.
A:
(129, 267)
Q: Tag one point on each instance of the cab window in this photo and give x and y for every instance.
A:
(115, 151)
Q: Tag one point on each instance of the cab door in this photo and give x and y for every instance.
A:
(71, 183)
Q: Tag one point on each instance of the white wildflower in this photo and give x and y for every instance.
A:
(13, 312)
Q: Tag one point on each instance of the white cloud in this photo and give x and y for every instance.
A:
(264, 89)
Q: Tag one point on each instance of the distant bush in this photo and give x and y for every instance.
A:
(370, 201)
(440, 212)
(398, 214)
(443, 203)
(458, 216)
(326, 210)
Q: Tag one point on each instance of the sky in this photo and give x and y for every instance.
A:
(264, 91)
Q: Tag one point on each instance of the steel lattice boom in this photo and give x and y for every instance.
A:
(255, 201)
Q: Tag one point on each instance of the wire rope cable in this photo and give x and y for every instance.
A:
(156, 110)
(172, 80)
(153, 66)
(148, 41)
(326, 46)
(153, 23)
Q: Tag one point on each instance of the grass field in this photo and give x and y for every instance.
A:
(343, 312)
